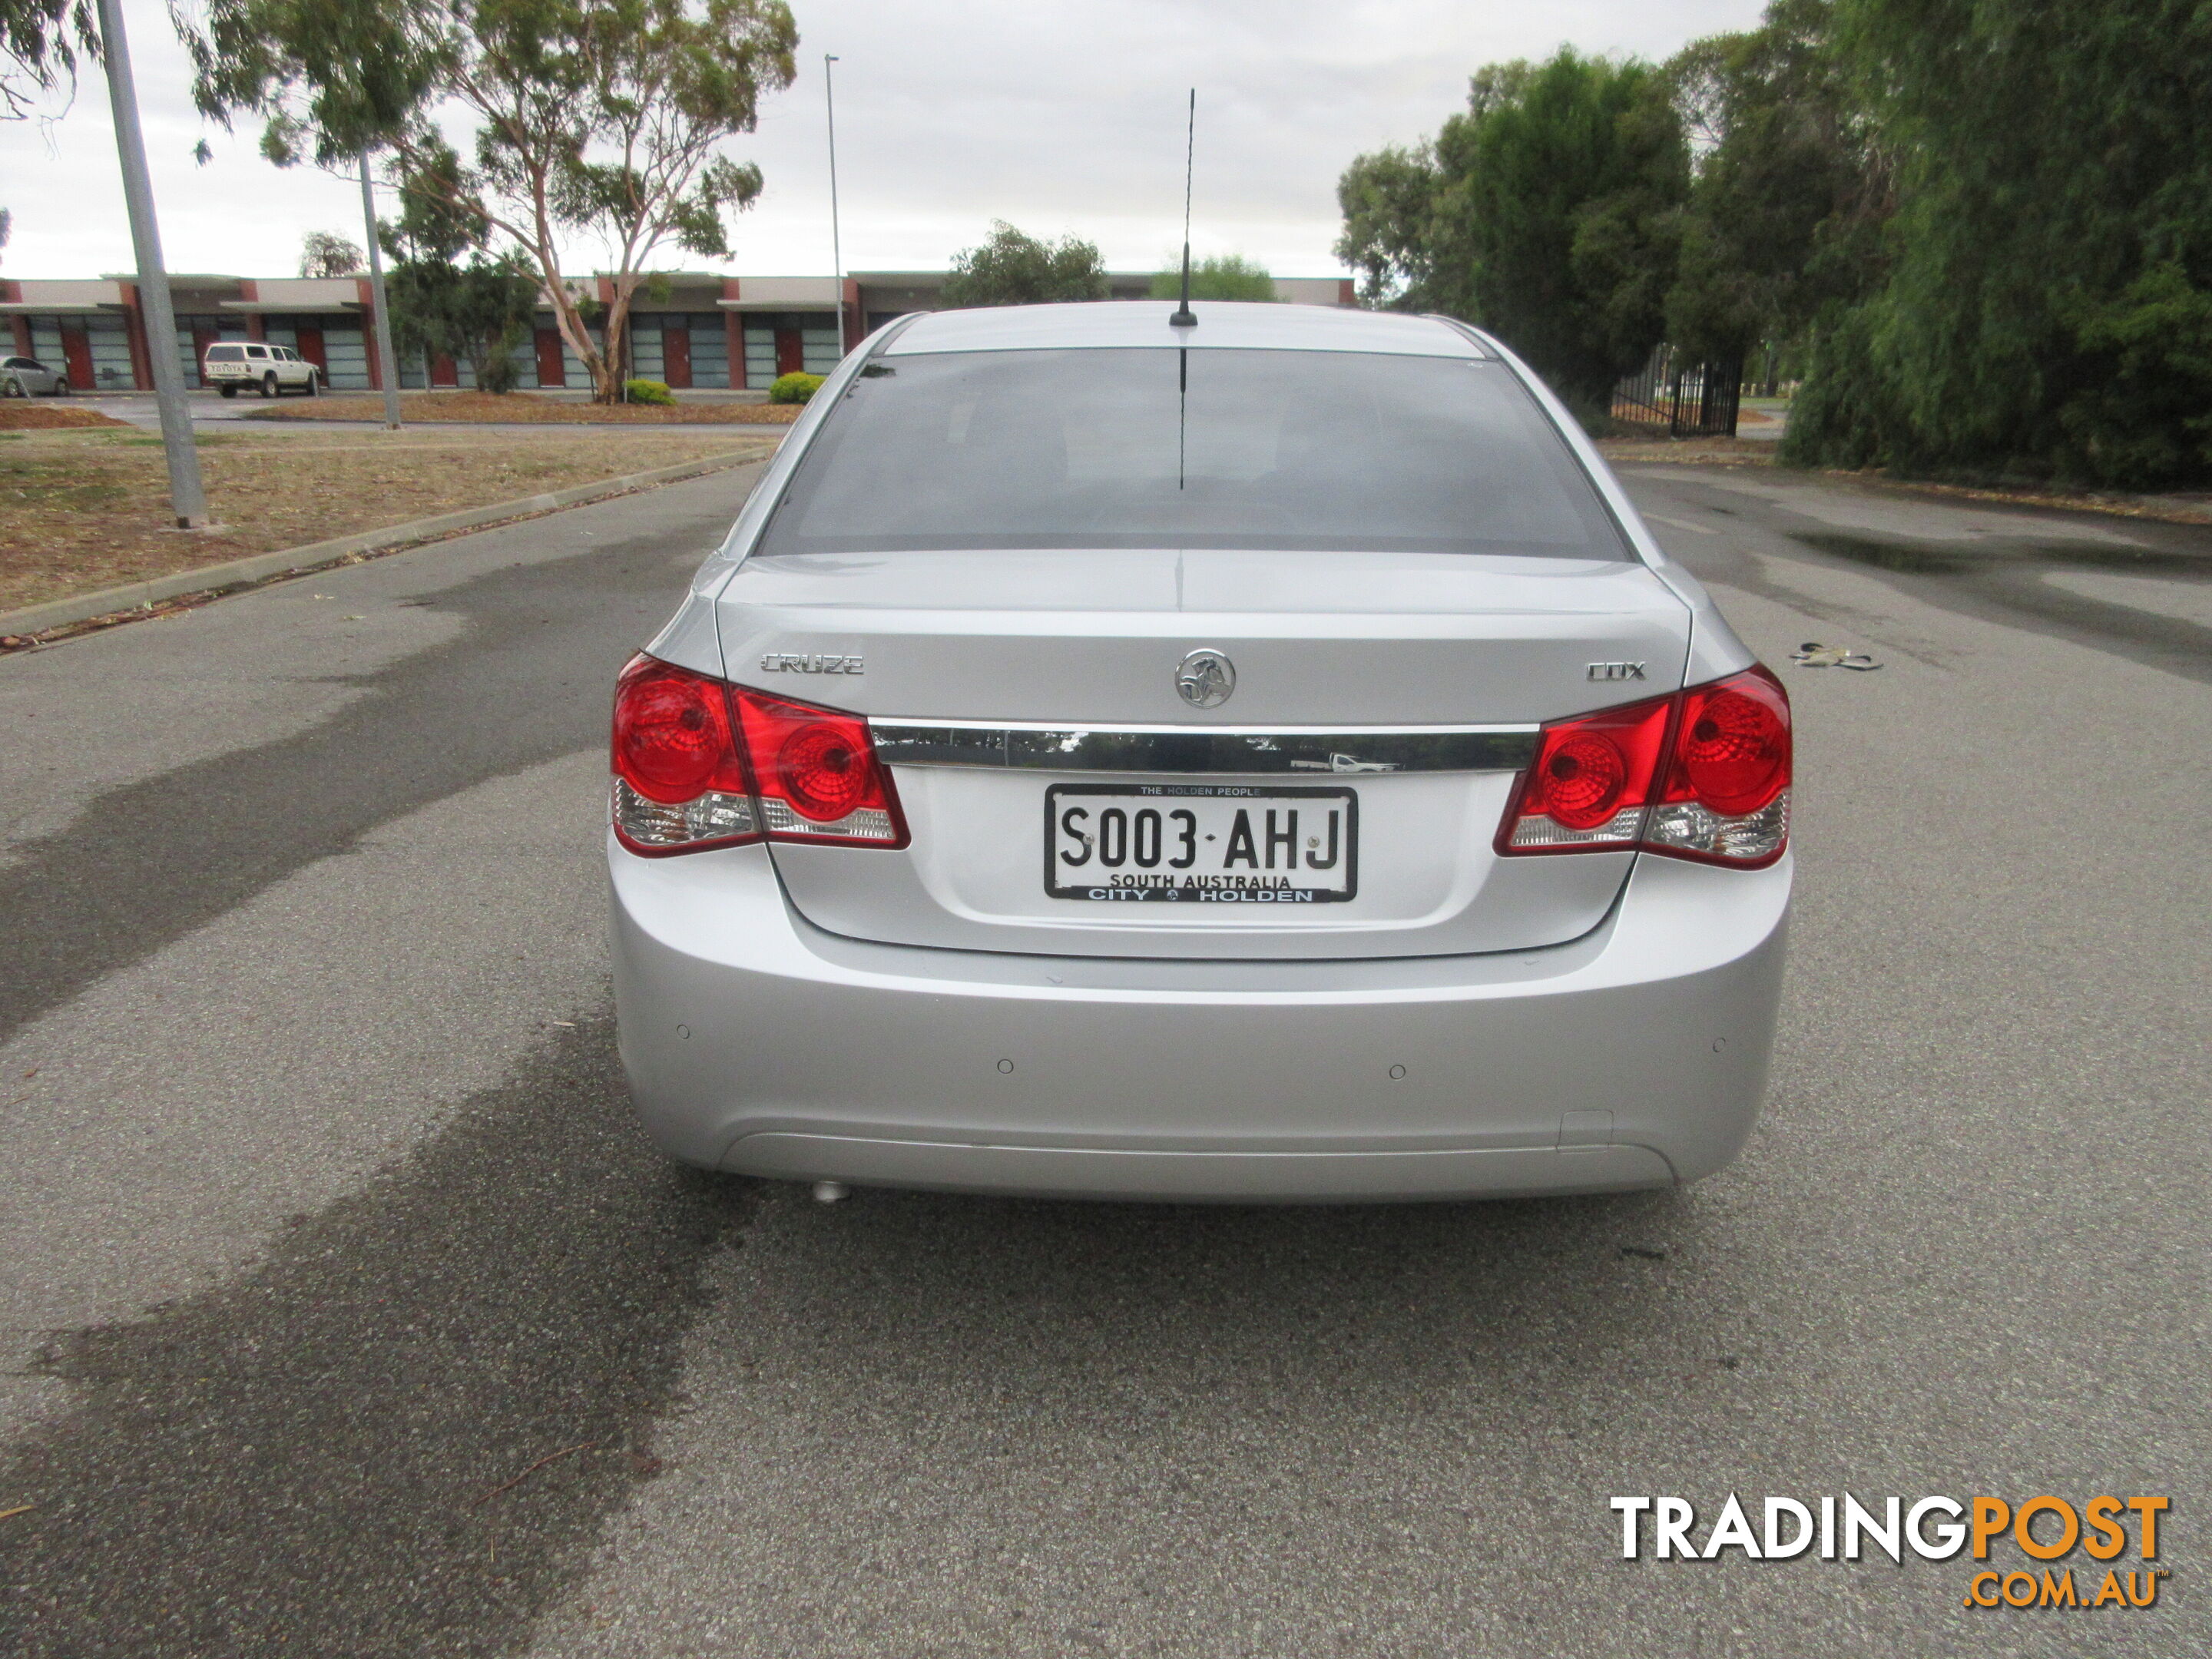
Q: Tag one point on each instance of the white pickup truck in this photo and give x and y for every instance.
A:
(236, 366)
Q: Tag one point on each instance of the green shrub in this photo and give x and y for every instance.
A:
(794, 388)
(1231, 277)
(647, 392)
(1015, 270)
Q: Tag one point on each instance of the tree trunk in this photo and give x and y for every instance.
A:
(569, 318)
(617, 342)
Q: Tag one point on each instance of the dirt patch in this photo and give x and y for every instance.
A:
(21, 414)
(472, 408)
(80, 511)
(2167, 509)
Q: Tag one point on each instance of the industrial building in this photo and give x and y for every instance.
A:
(697, 330)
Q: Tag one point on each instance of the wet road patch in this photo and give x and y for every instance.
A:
(2003, 581)
(402, 1433)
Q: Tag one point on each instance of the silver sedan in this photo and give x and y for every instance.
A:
(1265, 760)
(26, 377)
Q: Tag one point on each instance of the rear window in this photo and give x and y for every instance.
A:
(222, 353)
(1301, 451)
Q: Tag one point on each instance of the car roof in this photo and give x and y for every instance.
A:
(1221, 323)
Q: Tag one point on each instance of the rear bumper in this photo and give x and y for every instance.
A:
(1635, 1056)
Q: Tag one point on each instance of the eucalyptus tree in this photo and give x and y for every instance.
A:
(1548, 211)
(1396, 234)
(479, 312)
(1792, 185)
(326, 253)
(40, 42)
(597, 118)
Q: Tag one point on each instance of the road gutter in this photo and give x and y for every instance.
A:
(40, 624)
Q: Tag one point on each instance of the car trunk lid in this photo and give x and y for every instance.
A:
(1387, 700)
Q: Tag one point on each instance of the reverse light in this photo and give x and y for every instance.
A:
(1702, 774)
(700, 763)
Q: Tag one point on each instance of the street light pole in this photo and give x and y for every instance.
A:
(387, 362)
(187, 494)
(836, 245)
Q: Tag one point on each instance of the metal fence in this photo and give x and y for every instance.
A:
(1686, 399)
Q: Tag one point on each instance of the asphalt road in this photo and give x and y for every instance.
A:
(344, 1313)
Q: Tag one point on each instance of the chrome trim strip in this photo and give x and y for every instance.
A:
(1304, 751)
(1512, 727)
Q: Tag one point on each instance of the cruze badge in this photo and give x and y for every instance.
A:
(788, 662)
(1204, 679)
(1614, 671)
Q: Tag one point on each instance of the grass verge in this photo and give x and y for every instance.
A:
(85, 510)
(1687, 452)
(474, 408)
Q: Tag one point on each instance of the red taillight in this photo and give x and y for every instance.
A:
(679, 785)
(683, 781)
(816, 773)
(671, 740)
(1732, 752)
(1702, 774)
(1590, 779)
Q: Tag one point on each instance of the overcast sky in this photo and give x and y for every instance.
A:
(1058, 115)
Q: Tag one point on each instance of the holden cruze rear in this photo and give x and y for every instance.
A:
(1259, 760)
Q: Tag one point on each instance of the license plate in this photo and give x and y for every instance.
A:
(1201, 843)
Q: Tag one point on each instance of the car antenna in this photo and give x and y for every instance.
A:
(1183, 317)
